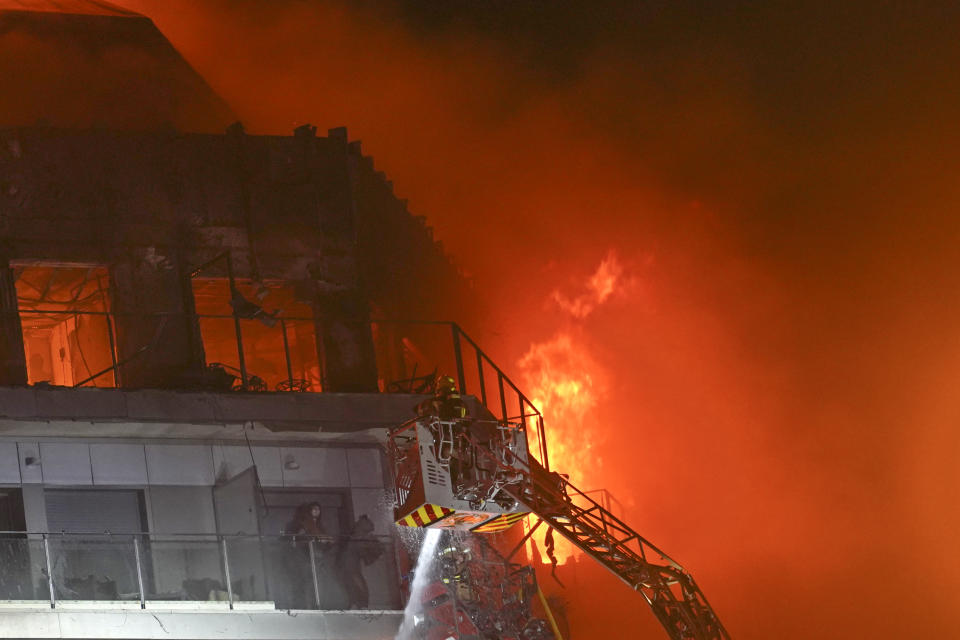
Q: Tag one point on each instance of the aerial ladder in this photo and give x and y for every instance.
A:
(479, 475)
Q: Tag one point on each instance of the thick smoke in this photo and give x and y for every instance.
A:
(779, 185)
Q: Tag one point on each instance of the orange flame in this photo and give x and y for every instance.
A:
(598, 289)
(568, 384)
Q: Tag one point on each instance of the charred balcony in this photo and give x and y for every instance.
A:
(161, 260)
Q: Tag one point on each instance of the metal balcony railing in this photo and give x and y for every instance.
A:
(244, 354)
(223, 571)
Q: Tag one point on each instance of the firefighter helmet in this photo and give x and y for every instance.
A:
(446, 385)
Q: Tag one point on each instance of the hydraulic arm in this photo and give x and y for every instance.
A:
(671, 592)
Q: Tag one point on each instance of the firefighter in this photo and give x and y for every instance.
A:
(446, 403)
(447, 406)
(454, 569)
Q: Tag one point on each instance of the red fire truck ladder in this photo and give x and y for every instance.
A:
(671, 592)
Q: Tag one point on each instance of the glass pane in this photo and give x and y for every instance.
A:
(94, 568)
(368, 571)
(333, 593)
(24, 574)
(248, 569)
(357, 572)
(178, 569)
(289, 580)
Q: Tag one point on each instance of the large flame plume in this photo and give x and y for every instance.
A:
(565, 381)
(568, 384)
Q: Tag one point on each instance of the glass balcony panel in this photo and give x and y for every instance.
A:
(249, 569)
(24, 568)
(93, 567)
(357, 572)
(289, 581)
(379, 573)
(351, 573)
(184, 569)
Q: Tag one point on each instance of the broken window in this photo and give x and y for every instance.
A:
(277, 333)
(67, 337)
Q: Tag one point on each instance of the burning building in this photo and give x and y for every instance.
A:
(194, 344)
(205, 337)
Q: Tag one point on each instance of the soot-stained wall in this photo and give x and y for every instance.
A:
(304, 210)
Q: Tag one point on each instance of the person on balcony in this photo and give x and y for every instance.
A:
(307, 523)
(306, 527)
(360, 549)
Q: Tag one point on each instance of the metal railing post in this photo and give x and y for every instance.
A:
(542, 436)
(46, 553)
(286, 352)
(461, 378)
(503, 400)
(483, 386)
(313, 572)
(236, 322)
(113, 352)
(226, 570)
(136, 558)
(265, 565)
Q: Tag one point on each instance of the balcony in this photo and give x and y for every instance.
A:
(263, 355)
(201, 571)
(197, 586)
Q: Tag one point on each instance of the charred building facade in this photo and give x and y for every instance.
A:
(167, 252)
(202, 339)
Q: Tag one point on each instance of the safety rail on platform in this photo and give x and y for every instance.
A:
(151, 570)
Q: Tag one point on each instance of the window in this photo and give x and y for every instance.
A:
(16, 582)
(277, 329)
(12, 516)
(66, 333)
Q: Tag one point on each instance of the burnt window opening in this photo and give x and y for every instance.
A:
(277, 330)
(410, 356)
(66, 332)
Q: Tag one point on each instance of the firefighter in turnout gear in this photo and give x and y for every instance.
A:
(446, 403)
(448, 407)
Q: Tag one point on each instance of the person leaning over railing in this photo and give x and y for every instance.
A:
(305, 527)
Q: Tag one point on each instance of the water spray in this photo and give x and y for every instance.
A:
(421, 578)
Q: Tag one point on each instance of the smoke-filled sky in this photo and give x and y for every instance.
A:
(770, 376)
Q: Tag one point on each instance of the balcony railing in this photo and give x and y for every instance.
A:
(283, 355)
(199, 570)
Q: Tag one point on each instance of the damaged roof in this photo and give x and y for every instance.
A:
(92, 64)
(76, 7)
